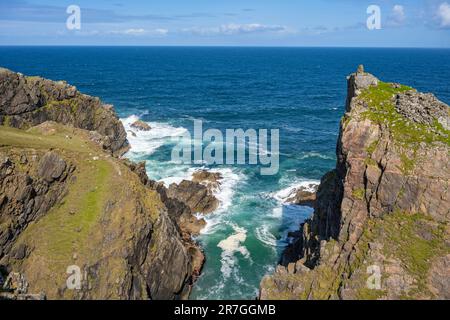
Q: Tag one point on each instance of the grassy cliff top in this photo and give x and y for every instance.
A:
(380, 101)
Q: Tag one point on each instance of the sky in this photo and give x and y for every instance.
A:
(335, 23)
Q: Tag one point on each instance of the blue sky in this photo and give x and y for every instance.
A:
(412, 23)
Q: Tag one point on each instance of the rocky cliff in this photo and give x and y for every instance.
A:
(28, 101)
(69, 204)
(380, 226)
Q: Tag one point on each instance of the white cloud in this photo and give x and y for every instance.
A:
(233, 28)
(397, 16)
(250, 28)
(161, 32)
(141, 32)
(443, 14)
(134, 31)
(398, 12)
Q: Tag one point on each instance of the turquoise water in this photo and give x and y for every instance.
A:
(299, 91)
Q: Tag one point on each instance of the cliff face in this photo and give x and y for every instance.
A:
(384, 210)
(66, 200)
(29, 101)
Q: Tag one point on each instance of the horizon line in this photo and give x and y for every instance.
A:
(216, 46)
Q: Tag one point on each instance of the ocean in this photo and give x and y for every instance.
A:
(300, 91)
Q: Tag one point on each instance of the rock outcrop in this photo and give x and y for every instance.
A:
(380, 226)
(304, 196)
(141, 125)
(76, 222)
(198, 197)
(28, 101)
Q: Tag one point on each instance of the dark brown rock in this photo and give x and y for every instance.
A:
(51, 167)
(197, 196)
(141, 125)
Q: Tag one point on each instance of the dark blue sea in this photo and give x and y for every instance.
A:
(300, 91)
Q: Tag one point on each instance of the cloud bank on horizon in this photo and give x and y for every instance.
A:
(412, 23)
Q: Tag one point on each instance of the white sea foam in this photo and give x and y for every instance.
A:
(147, 142)
(285, 194)
(230, 246)
(264, 235)
(314, 154)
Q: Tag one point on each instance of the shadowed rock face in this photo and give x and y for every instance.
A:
(380, 205)
(29, 101)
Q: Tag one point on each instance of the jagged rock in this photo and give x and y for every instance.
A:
(357, 82)
(197, 196)
(29, 101)
(385, 207)
(178, 210)
(422, 108)
(304, 196)
(211, 180)
(51, 167)
(26, 197)
(438, 276)
(141, 125)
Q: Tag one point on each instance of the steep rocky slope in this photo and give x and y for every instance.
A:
(29, 101)
(380, 226)
(66, 200)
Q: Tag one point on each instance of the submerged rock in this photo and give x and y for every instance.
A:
(304, 196)
(141, 125)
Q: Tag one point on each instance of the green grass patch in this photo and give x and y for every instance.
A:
(408, 164)
(381, 110)
(359, 193)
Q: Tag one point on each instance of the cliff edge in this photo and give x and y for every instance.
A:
(28, 101)
(380, 229)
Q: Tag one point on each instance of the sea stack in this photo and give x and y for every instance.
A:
(380, 225)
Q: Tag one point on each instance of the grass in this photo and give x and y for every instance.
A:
(381, 110)
(359, 193)
(407, 163)
(104, 198)
(416, 252)
(62, 138)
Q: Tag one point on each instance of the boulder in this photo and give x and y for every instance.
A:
(195, 195)
(141, 125)
(51, 167)
(208, 179)
(304, 196)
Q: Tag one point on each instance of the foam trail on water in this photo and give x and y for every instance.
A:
(264, 235)
(287, 216)
(230, 246)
